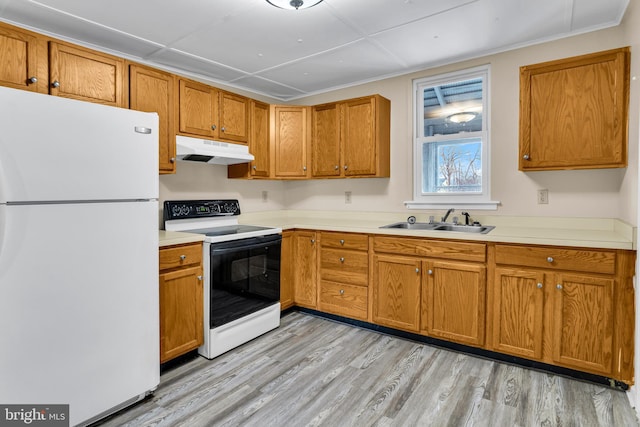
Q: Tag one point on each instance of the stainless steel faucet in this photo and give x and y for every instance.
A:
(444, 218)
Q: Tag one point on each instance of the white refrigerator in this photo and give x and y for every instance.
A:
(78, 254)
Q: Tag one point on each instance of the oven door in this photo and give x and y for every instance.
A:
(244, 277)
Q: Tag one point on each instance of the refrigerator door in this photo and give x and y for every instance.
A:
(58, 149)
(79, 305)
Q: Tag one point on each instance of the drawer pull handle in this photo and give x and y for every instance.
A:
(341, 291)
(539, 285)
(342, 241)
(341, 259)
(550, 259)
(559, 286)
(183, 257)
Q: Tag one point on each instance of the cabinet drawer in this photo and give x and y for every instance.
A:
(344, 266)
(591, 261)
(345, 300)
(358, 242)
(179, 256)
(431, 248)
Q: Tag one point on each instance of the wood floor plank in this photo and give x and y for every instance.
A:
(316, 372)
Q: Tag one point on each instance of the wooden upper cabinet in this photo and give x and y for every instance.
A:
(258, 145)
(87, 75)
(19, 53)
(574, 112)
(198, 109)
(212, 113)
(325, 140)
(366, 137)
(352, 138)
(289, 141)
(153, 91)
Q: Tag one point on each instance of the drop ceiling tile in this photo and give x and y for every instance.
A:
(181, 61)
(266, 36)
(360, 61)
(266, 87)
(66, 26)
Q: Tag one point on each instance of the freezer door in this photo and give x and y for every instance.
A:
(79, 305)
(54, 149)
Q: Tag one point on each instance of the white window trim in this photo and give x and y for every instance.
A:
(481, 200)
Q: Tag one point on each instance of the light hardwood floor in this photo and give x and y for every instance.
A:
(316, 372)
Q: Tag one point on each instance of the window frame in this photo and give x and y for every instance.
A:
(462, 200)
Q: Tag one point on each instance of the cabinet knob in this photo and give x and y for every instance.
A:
(549, 259)
(539, 285)
(55, 83)
(341, 291)
(254, 167)
(213, 127)
(222, 129)
(430, 272)
(172, 160)
(183, 257)
(336, 167)
(417, 270)
(304, 168)
(341, 259)
(342, 241)
(313, 241)
(559, 286)
(32, 80)
(526, 157)
(200, 278)
(346, 167)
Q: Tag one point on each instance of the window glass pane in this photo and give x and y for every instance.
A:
(452, 166)
(453, 107)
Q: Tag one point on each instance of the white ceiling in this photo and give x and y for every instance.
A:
(287, 54)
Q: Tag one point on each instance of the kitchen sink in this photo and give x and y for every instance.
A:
(441, 226)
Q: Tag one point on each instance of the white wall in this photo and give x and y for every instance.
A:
(610, 193)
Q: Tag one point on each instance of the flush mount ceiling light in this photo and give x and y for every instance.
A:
(294, 4)
(463, 117)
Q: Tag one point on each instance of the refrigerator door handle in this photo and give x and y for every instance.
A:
(141, 129)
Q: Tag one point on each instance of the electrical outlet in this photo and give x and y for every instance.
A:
(543, 197)
(265, 196)
(347, 197)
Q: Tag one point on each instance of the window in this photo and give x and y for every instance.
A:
(451, 141)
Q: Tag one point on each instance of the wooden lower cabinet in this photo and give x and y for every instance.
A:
(287, 262)
(453, 301)
(565, 314)
(397, 286)
(181, 300)
(305, 287)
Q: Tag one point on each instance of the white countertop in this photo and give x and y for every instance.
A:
(605, 233)
(169, 238)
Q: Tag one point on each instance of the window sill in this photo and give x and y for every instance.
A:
(487, 206)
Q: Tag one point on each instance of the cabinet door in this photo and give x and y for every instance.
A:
(305, 283)
(234, 117)
(290, 141)
(18, 55)
(325, 140)
(583, 322)
(153, 91)
(86, 75)
(287, 270)
(198, 109)
(518, 298)
(358, 137)
(453, 301)
(574, 112)
(396, 292)
(181, 317)
(259, 140)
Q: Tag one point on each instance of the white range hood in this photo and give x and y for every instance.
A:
(212, 152)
